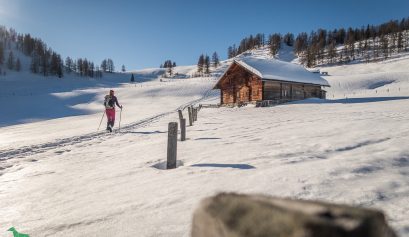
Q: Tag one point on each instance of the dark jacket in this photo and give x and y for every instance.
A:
(110, 101)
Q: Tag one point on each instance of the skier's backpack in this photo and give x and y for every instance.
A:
(108, 102)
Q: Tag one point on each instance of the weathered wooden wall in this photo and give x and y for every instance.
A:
(238, 85)
(276, 90)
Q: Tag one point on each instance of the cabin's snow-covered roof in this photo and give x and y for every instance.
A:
(273, 69)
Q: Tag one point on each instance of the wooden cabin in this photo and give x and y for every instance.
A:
(252, 80)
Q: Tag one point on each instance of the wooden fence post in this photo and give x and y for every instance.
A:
(195, 114)
(172, 145)
(189, 109)
(183, 129)
(180, 114)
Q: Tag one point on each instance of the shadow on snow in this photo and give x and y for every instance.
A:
(43, 98)
(350, 100)
(234, 166)
(145, 133)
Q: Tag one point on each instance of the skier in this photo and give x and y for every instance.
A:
(109, 103)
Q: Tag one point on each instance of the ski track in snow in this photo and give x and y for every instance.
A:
(59, 143)
(25, 151)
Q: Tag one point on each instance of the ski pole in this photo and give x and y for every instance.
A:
(120, 117)
(103, 114)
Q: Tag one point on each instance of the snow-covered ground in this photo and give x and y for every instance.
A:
(60, 177)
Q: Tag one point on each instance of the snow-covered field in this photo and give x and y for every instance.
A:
(60, 177)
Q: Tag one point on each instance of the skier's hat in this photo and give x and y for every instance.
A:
(111, 91)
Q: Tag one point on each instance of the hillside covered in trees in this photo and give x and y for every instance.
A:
(44, 60)
(368, 43)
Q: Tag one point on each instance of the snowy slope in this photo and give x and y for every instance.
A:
(61, 177)
(381, 79)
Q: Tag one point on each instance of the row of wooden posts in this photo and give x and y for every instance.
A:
(173, 134)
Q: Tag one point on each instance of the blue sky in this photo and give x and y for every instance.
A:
(144, 33)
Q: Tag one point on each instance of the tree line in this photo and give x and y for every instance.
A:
(11, 62)
(169, 65)
(371, 42)
(44, 60)
(253, 42)
(204, 63)
(341, 45)
(83, 67)
(247, 43)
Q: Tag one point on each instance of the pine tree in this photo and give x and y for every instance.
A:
(68, 65)
(259, 40)
(207, 65)
(170, 68)
(407, 39)
(80, 67)
(301, 43)
(85, 67)
(10, 61)
(360, 48)
(54, 64)
(91, 69)
(392, 44)
(400, 42)
(340, 36)
(1, 53)
(132, 78)
(104, 65)
(168, 63)
(350, 43)
(230, 52)
(123, 68)
(44, 62)
(332, 52)
(18, 65)
(384, 44)
(34, 66)
(110, 65)
(74, 66)
(366, 51)
(289, 39)
(60, 67)
(310, 57)
(215, 60)
(376, 47)
(200, 64)
(275, 44)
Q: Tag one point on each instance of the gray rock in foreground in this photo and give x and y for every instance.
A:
(234, 215)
